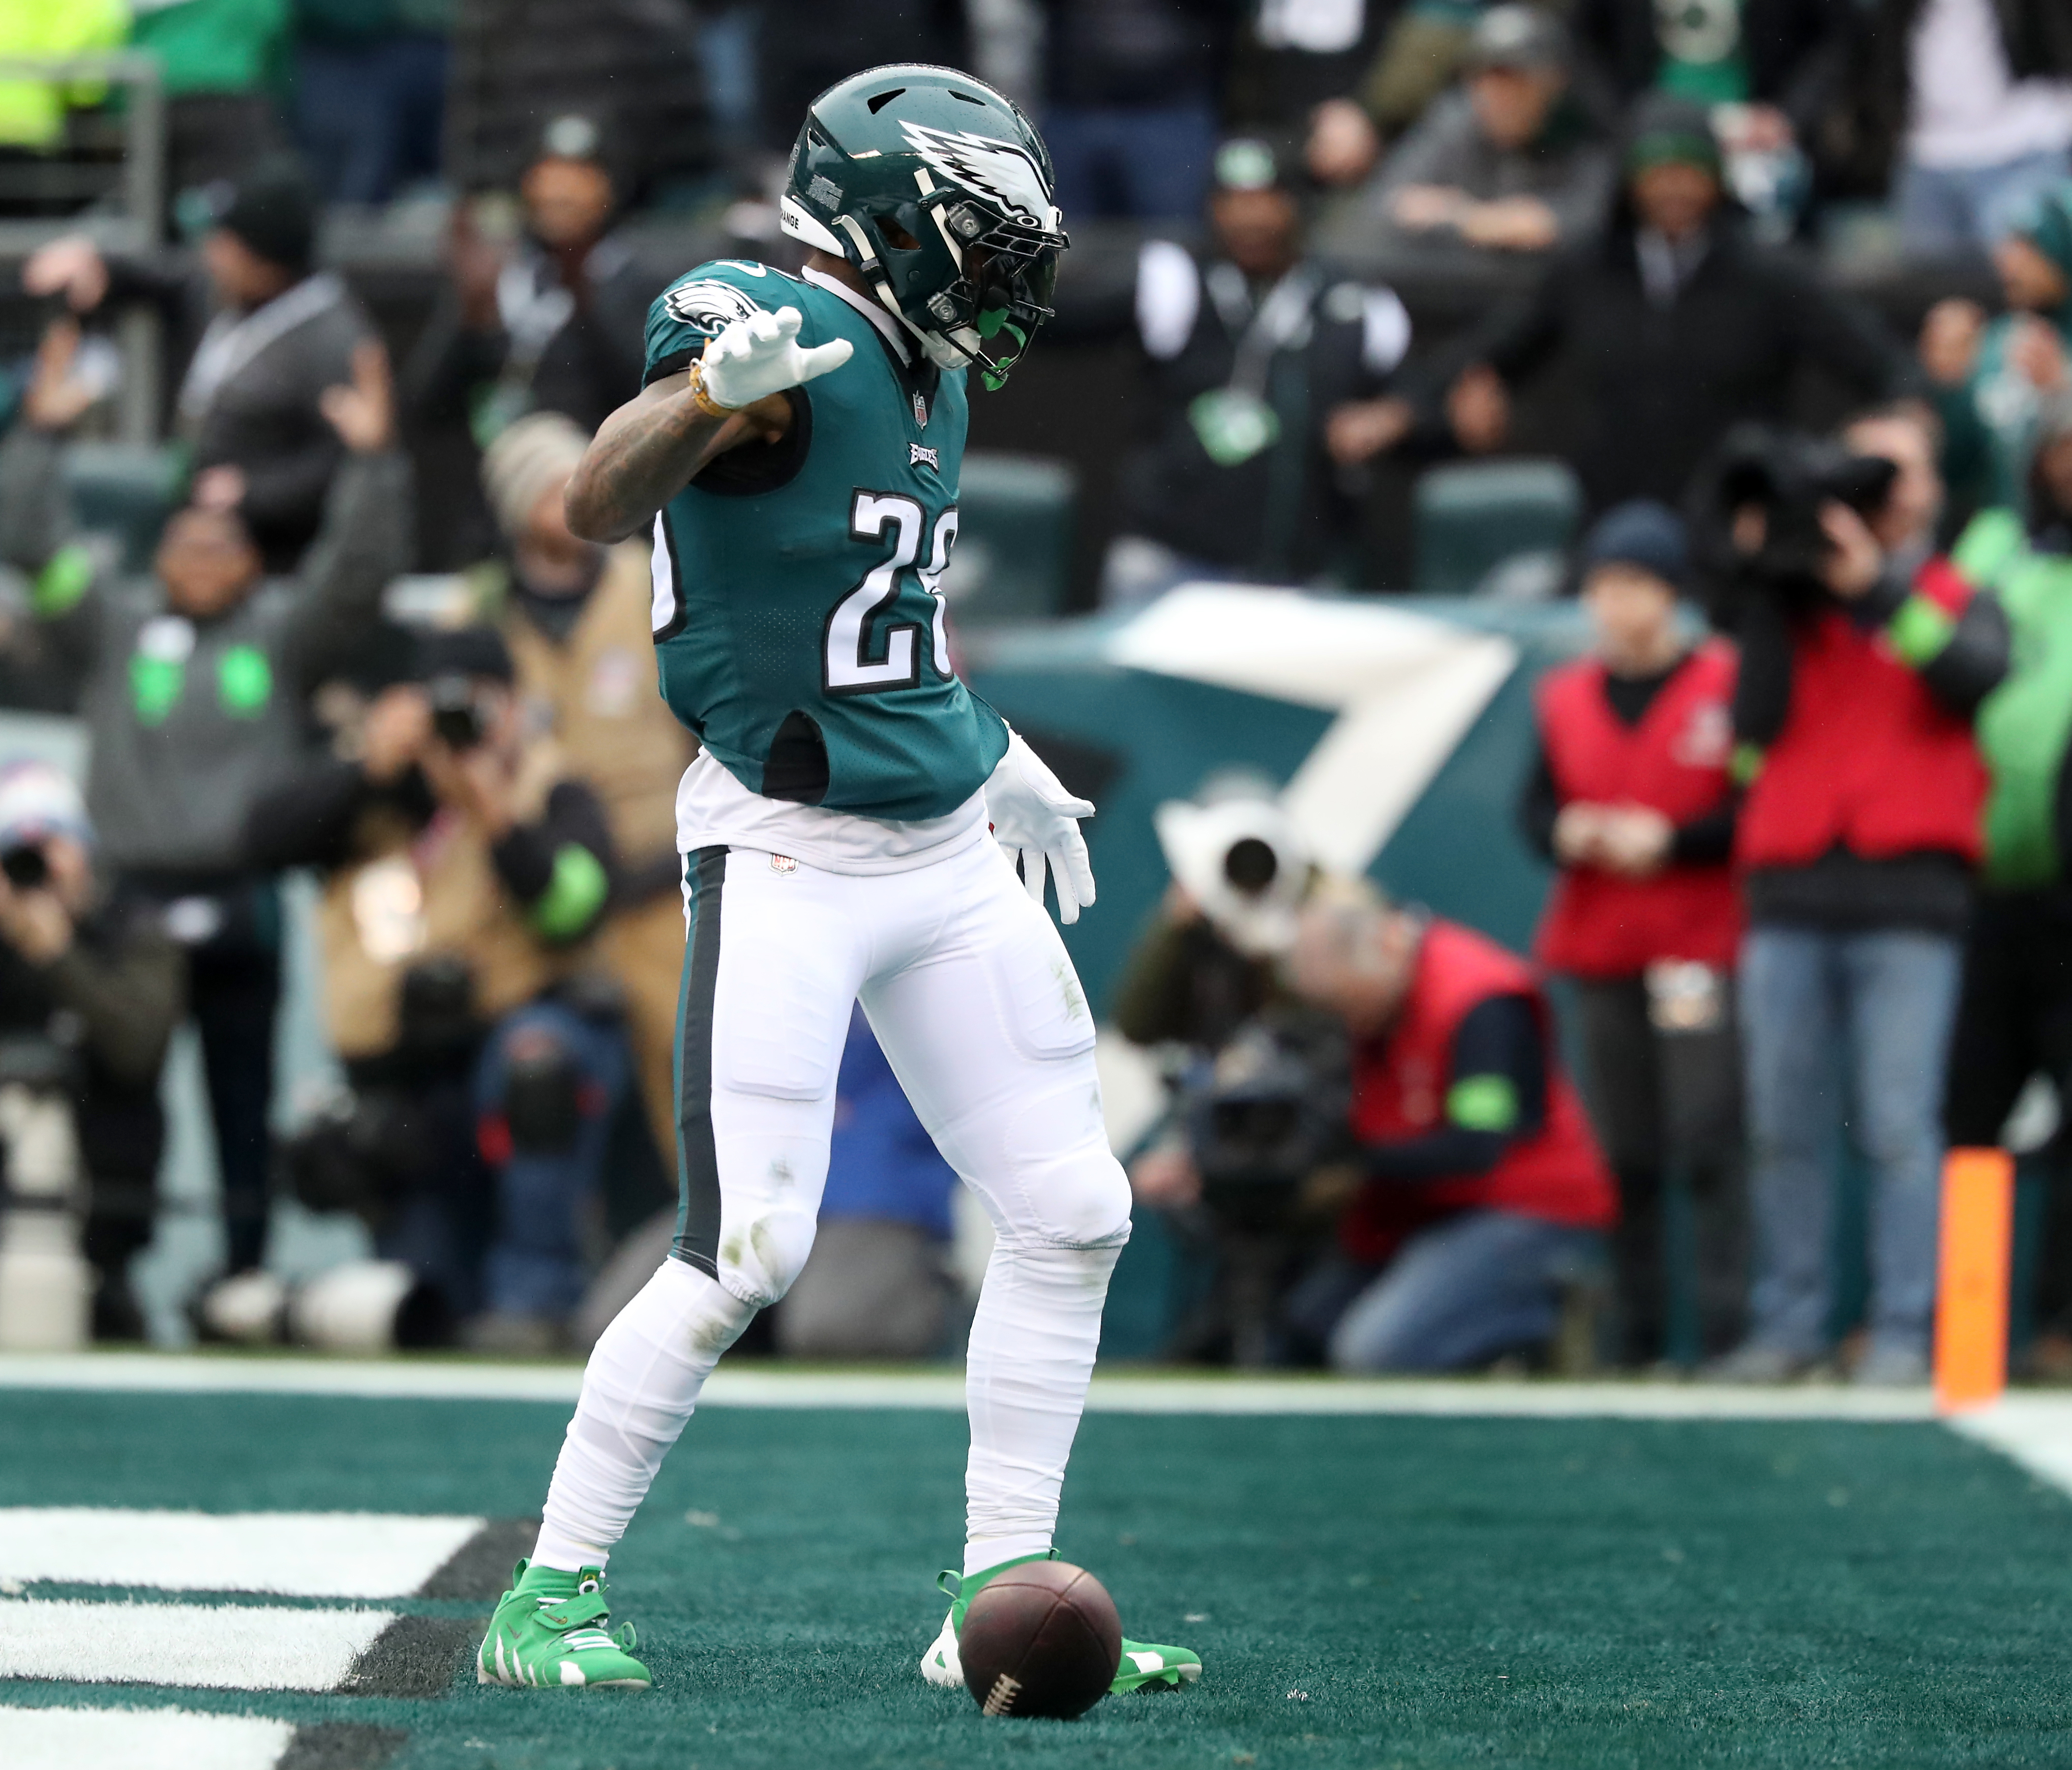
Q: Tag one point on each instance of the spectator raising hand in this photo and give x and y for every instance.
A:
(58, 396)
(363, 411)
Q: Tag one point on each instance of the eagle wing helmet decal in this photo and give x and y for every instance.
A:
(987, 167)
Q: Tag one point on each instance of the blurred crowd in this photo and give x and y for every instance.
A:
(1805, 801)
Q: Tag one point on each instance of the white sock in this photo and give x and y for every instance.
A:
(978, 1556)
(1032, 1350)
(638, 1390)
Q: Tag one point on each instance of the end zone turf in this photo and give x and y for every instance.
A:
(1367, 1589)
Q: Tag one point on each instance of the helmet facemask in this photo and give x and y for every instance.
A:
(973, 287)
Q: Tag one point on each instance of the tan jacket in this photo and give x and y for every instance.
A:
(421, 895)
(603, 701)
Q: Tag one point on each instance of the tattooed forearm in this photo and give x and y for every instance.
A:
(649, 450)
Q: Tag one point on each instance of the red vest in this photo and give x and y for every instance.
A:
(1674, 762)
(1399, 1087)
(1867, 758)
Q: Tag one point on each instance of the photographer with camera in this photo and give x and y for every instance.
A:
(1631, 796)
(95, 985)
(195, 688)
(1864, 655)
(1483, 1197)
(576, 618)
(466, 872)
(1255, 1078)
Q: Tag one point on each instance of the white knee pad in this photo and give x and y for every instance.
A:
(1056, 1184)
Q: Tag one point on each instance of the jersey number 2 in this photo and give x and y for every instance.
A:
(848, 665)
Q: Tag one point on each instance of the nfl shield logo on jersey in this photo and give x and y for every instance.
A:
(920, 411)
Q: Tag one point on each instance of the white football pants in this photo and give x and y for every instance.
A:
(975, 1001)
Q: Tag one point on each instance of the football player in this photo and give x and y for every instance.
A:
(796, 450)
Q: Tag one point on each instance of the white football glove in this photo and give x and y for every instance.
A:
(1036, 820)
(761, 354)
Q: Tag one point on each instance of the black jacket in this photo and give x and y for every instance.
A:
(1135, 53)
(1660, 385)
(586, 367)
(261, 414)
(111, 1002)
(1288, 512)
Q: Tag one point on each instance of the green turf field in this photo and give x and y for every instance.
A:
(1366, 1591)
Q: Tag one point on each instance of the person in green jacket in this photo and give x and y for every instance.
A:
(1991, 376)
(2015, 1019)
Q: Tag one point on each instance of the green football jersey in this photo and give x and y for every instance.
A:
(798, 586)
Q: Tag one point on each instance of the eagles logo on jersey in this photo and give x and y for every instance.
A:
(966, 184)
(710, 307)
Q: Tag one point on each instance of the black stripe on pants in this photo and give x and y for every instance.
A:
(697, 1164)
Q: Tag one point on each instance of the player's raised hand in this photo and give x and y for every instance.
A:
(761, 356)
(1035, 818)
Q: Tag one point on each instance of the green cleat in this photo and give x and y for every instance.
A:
(1142, 1668)
(548, 1633)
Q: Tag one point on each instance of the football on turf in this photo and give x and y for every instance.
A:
(1042, 1639)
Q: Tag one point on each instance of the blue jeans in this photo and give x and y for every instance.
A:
(1851, 1032)
(1149, 164)
(1463, 1291)
(546, 1187)
(1952, 209)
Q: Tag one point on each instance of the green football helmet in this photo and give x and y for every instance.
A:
(958, 172)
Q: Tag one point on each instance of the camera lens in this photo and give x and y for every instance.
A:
(27, 868)
(455, 722)
(1250, 865)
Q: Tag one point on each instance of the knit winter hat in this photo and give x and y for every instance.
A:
(1641, 533)
(1665, 130)
(529, 459)
(274, 211)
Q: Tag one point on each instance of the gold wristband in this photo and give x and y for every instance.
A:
(704, 400)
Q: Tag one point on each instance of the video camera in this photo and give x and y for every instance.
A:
(1787, 477)
(1263, 1114)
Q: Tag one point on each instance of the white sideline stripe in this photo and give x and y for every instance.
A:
(300, 1555)
(125, 1739)
(2035, 1430)
(225, 1647)
(406, 1379)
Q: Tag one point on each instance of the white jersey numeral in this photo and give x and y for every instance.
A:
(931, 582)
(859, 658)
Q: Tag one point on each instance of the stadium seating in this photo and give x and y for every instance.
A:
(1473, 517)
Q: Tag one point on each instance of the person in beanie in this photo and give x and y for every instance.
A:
(93, 980)
(195, 687)
(1631, 796)
(266, 332)
(576, 616)
(2014, 1019)
(1679, 324)
(1992, 377)
(1509, 163)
